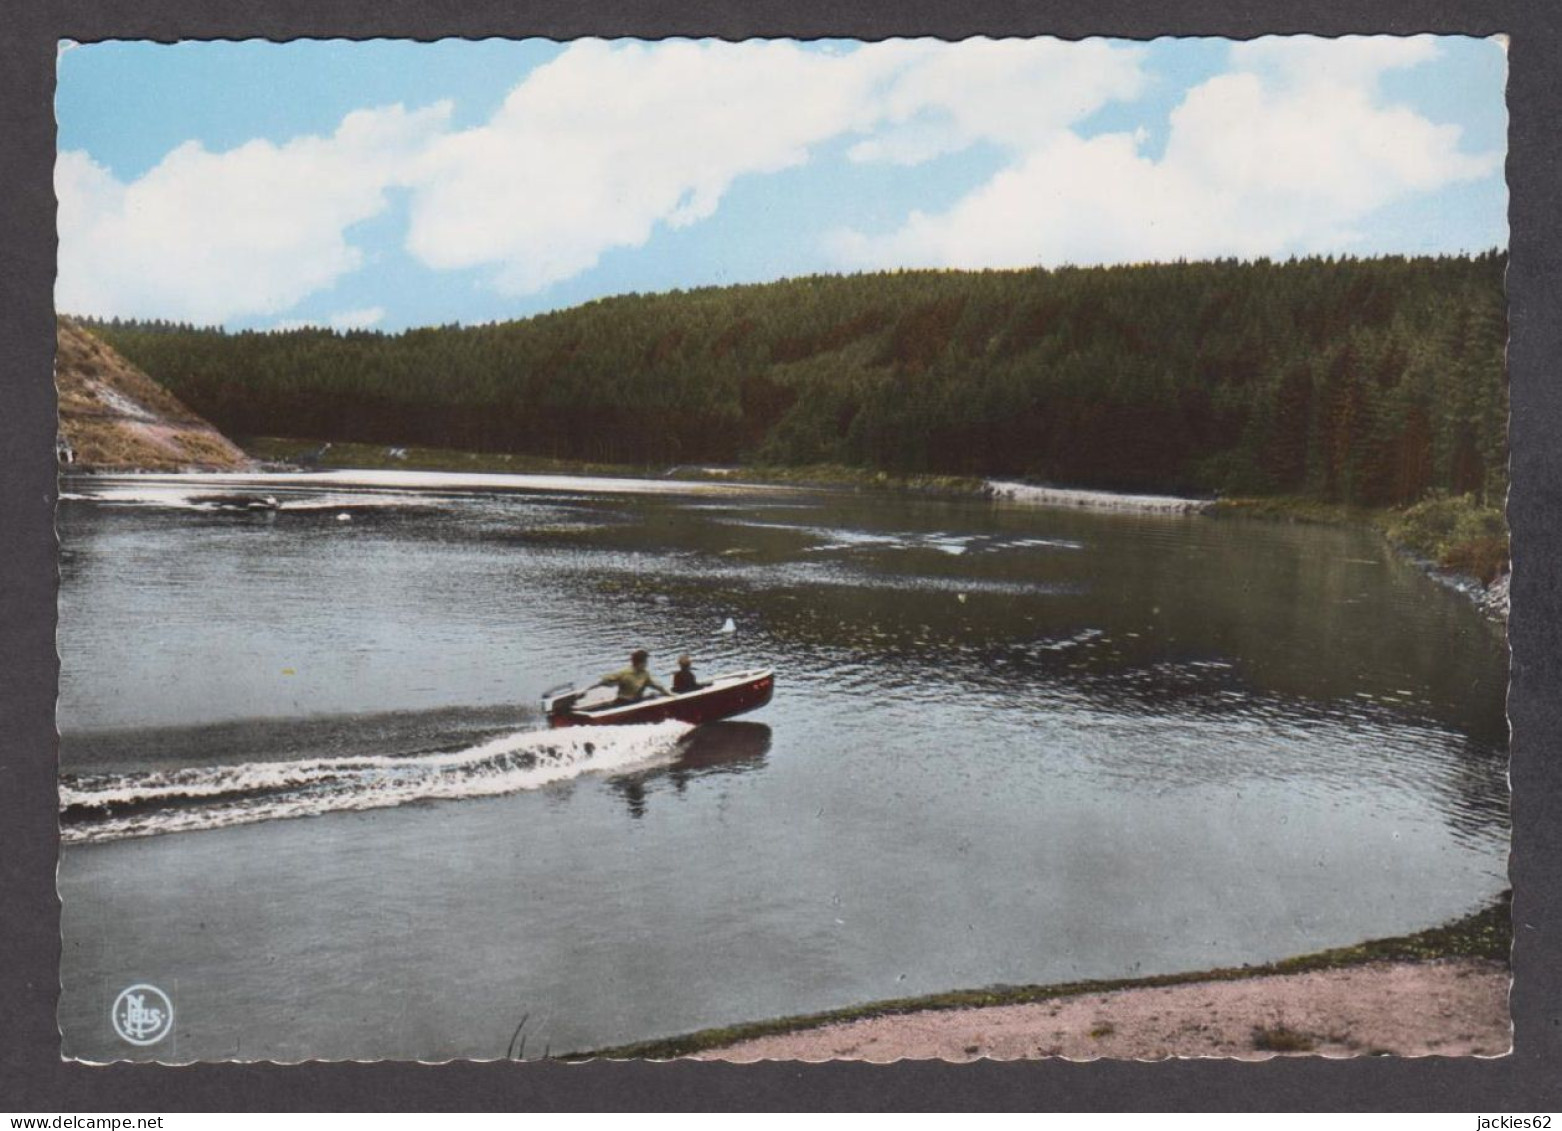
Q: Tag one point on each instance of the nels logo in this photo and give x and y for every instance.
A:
(142, 1015)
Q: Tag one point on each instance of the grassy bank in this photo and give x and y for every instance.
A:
(1487, 934)
(379, 457)
(1295, 508)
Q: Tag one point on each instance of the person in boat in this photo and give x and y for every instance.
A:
(633, 680)
(684, 679)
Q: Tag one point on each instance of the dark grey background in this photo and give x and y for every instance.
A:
(32, 1077)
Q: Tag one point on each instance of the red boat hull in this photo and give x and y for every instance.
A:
(722, 700)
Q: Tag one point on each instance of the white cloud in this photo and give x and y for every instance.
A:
(342, 320)
(357, 319)
(1014, 92)
(1352, 60)
(1288, 151)
(209, 236)
(1069, 201)
(595, 150)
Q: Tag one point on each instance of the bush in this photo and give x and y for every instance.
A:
(1482, 558)
(1280, 1038)
(1456, 532)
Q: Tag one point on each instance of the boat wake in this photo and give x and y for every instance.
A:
(113, 806)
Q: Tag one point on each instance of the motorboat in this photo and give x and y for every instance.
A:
(733, 693)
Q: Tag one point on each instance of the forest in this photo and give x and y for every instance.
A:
(1366, 381)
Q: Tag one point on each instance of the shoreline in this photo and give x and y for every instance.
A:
(1476, 947)
(273, 455)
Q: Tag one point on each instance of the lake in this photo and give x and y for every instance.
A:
(308, 793)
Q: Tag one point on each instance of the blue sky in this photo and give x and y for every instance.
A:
(394, 184)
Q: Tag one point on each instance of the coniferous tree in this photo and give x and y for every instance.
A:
(1362, 381)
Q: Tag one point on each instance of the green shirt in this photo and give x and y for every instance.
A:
(631, 682)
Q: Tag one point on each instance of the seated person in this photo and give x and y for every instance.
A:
(633, 680)
(684, 678)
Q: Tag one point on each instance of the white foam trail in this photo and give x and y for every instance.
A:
(1095, 500)
(216, 797)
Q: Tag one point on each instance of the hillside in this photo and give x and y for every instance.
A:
(1359, 381)
(115, 417)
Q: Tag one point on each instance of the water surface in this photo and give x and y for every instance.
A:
(307, 794)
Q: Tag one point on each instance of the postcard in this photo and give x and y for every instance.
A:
(783, 550)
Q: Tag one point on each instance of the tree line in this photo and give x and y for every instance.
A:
(1367, 381)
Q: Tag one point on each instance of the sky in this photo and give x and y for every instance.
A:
(391, 184)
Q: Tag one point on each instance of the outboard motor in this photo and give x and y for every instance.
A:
(559, 701)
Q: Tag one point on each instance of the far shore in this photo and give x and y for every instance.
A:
(1490, 596)
(1442, 991)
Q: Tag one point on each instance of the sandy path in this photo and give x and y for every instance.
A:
(1455, 1007)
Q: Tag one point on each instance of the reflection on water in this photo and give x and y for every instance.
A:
(1007, 745)
(729, 747)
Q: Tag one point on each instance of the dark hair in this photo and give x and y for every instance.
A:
(639, 656)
